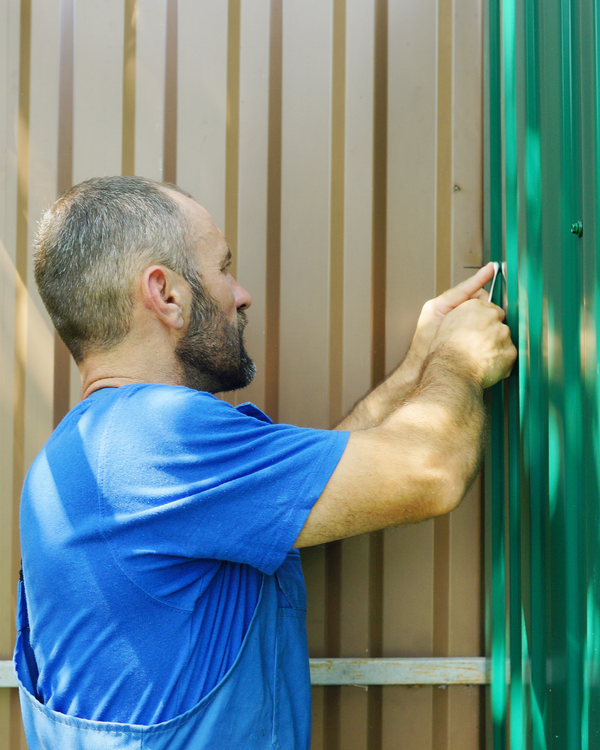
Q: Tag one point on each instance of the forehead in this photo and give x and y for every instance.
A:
(210, 240)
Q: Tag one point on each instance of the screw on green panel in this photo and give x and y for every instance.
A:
(577, 228)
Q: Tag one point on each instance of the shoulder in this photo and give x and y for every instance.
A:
(161, 404)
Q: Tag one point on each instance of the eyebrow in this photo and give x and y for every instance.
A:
(229, 257)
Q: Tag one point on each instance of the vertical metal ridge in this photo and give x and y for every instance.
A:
(333, 603)
(334, 550)
(379, 249)
(232, 138)
(129, 77)
(64, 180)
(495, 532)
(273, 270)
(378, 318)
(441, 625)
(443, 280)
(171, 65)
(444, 120)
(65, 95)
(375, 694)
(336, 262)
(441, 586)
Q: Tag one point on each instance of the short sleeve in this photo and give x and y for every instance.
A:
(185, 477)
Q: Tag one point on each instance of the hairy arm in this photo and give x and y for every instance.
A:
(381, 401)
(421, 458)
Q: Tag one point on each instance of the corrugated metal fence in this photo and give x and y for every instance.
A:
(338, 144)
(544, 487)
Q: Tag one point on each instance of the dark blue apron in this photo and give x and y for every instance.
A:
(262, 702)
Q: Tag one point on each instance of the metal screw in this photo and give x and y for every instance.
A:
(456, 188)
(577, 228)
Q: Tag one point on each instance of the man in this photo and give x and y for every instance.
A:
(160, 526)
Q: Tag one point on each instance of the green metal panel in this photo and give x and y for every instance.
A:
(542, 483)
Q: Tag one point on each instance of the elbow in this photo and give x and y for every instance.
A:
(445, 489)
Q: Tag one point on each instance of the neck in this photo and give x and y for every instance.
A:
(123, 367)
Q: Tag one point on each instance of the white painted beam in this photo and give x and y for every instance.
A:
(7, 676)
(427, 671)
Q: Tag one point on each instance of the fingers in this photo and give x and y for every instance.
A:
(476, 329)
(469, 289)
(476, 282)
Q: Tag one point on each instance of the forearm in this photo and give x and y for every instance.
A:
(417, 464)
(373, 408)
(448, 405)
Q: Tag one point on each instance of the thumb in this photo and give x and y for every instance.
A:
(465, 290)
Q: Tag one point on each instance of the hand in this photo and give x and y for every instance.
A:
(435, 310)
(475, 335)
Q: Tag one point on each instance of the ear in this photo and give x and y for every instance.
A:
(163, 292)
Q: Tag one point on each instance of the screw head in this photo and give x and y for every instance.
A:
(577, 228)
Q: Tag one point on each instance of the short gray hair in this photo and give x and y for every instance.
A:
(91, 245)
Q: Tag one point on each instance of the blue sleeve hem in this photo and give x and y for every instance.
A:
(289, 532)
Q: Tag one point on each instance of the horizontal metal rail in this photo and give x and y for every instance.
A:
(407, 671)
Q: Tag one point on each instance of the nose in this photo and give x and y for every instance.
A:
(243, 300)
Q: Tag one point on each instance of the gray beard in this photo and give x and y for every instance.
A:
(211, 353)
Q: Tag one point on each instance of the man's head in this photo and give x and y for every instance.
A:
(102, 244)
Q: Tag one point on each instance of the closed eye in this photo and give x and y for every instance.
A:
(227, 261)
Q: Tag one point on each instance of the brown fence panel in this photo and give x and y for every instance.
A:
(338, 144)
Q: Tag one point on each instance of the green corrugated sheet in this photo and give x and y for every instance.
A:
(542, 474)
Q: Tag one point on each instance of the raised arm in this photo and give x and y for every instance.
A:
(381, 401)
(420, 459)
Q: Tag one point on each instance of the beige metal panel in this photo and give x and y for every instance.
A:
(129, 87)
(406, 717)
(465, 629)
(318, 719)
(408, 602)
(467, 215)
(313, 565)
(9, 91)
(358, 190)
(305, 199)
(253, 180)
(337, 218)
(150, 87)
(98, 89)
(43, 167)
(354, 727)
(354, 637)
(307, 48)
(408, 606)
(18, 115)
(465, 554)
(9, 83)
(354, 595)
(465, 728)
(170, 128)
(202, 103)
(411, 203)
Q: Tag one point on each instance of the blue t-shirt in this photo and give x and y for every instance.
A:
(147, 522)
